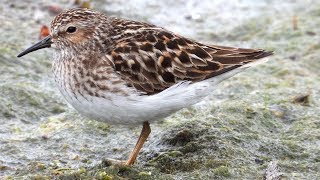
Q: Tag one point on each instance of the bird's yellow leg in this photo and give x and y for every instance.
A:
(146, 130)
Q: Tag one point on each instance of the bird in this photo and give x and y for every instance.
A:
(122, 71)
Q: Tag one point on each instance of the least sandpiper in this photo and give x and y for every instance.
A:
(129, 72)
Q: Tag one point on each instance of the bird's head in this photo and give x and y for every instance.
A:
(71, 29)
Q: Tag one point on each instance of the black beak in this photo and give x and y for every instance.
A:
(44, 43)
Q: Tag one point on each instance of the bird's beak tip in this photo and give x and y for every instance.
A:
(44, 43)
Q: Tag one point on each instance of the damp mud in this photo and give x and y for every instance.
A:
(270, 112)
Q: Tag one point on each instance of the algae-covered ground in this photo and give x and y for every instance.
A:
(270, 112)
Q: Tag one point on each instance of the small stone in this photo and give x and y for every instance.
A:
(302, 99)
(181, 138)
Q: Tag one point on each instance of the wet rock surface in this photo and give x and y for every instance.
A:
(268, 113)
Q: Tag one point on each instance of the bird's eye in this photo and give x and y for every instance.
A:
(71, 29)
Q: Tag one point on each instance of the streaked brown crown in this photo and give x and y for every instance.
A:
(74, 15)
(150, 58)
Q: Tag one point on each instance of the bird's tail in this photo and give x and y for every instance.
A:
(236, 59)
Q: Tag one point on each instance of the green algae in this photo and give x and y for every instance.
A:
(222, 171)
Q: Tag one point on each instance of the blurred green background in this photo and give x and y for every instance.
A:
(269, 113)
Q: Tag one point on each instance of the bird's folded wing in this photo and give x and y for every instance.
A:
(152, 59)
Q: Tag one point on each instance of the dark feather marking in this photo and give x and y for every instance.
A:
(168, 77)
(136, 67)
(184, 58)
(181, 41)
(198, 51)
(147, 47)
(151, 38)
(150, 64)
(165, 61)
(160, 46)
(212, 66)
(150, 76)
(172, 44)
(165, 35)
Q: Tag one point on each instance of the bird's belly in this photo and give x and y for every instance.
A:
(116, 109)
(106, 109)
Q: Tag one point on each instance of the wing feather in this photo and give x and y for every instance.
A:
(152, 59)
